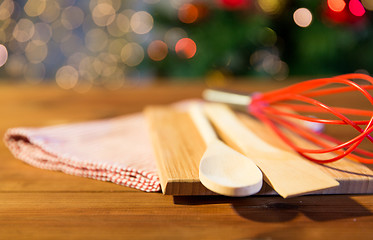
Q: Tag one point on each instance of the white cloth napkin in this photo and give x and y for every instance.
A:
(117, 150)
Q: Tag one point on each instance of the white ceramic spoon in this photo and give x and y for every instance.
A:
(222, 169)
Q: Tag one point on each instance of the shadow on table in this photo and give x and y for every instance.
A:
(277, 209)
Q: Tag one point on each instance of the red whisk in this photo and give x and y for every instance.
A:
(299, 98)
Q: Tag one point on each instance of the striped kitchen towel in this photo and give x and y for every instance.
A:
(117, 150)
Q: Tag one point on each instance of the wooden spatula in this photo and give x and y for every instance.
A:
(288, 174)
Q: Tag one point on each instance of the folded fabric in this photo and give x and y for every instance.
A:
(117, 150)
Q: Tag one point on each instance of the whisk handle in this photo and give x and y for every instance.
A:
(235, 100)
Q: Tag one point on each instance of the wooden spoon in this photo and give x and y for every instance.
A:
(222, 169)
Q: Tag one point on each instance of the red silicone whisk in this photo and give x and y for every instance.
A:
(300, 98)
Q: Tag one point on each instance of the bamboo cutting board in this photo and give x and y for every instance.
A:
(179, 148)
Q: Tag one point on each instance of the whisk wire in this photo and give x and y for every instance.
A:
(264, 108)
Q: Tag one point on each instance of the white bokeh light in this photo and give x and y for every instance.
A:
(302, 17)
(141, 22)
(3, 55)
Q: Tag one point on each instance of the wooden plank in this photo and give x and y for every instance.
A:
(178, 147)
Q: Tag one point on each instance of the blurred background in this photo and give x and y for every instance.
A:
(109, 43)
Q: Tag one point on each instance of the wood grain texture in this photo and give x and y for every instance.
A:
(201, 122)
(136, 215)
(178, 148)
(41, 204)
(353, 177)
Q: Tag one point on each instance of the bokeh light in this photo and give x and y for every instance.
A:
(87, 70)
(368, 4)
(103, 14)
(6, 9)
(132, 54)
(270, 6)
(75, 59)
(116, 4)
(188, 13)
(72, 17)
(5, 26)
(51, 12)
(123, 22)
(67, 77)
(269, 62)
(302, 17)
(36, 51)
(24, 30)
(43, 32)
(141, 22)
(215, 79)
(119, 26)
(96, 40)
(176, 4)
(34, 8)
(157, 50)
(356, 8)
(116, 45)
(3, 55)
(336, 5)
(186, 48)
(108, 64)
(235, 4)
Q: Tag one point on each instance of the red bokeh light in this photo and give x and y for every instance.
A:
(234, 4)
(157, 50)
(353, 14)
(188, 13)
(356, 8)
(336, 5)
(186, 48)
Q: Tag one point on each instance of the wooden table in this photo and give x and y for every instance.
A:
(41, 204)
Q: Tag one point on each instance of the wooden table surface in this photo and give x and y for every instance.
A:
(42, 204)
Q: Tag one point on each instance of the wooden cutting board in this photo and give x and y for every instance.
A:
(179, 147)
